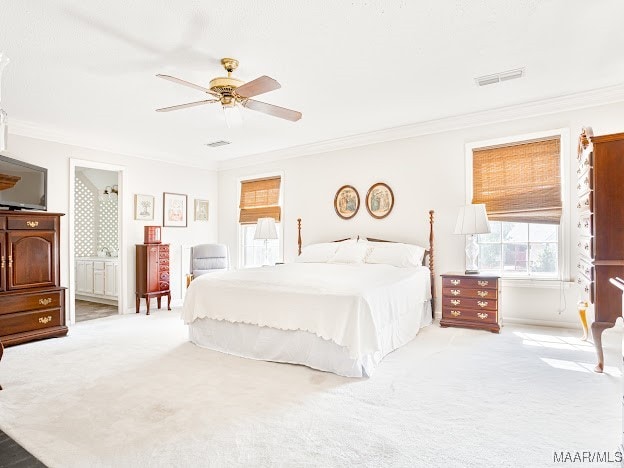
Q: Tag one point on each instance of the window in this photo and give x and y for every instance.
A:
(520, 184)
(259, 198)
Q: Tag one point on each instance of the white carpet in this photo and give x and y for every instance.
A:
(131, 391)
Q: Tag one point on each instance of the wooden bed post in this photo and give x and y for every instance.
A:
(299, 236)
(431, 263)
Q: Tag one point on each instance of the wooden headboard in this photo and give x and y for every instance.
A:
(428, 258)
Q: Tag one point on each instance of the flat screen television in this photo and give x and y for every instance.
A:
(23, 186)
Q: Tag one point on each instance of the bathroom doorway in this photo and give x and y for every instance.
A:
(95, 242)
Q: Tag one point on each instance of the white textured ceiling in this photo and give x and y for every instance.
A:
(86, 68)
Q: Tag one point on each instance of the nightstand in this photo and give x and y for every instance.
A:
(470, 301)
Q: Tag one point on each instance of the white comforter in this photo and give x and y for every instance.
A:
(347, 304)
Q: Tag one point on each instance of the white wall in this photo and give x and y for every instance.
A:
(142, 176)
(426, 172)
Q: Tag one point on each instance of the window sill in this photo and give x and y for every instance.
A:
(535, 283)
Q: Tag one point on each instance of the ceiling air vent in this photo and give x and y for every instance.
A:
(500, 77)
(216, 144)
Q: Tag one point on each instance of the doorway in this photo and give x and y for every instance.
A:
(96, 241)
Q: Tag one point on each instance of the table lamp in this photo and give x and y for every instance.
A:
(265, 229)
(472, 220)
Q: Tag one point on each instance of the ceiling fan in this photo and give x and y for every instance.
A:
(231, 92)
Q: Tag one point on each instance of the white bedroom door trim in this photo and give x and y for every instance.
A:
(123, 208)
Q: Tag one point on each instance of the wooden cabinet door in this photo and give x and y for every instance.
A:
(152, 269)
(81, 276)
(32, 258)
(98, 281)
(3, 261)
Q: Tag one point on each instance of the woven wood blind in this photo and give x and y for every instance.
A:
(260, 199)
(520, 183)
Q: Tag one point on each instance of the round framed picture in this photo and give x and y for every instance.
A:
(379, 200)
(347, 202)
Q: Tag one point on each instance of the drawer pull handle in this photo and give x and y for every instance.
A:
(482, 283)
(45, 301)
(482, 303)
(482, 315)
(482, 293)
(455, 302)
(455, 313)
(455, 292)
(455, 282)
(45, 320)
(32, 224)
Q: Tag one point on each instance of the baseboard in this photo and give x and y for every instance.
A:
(542, 323)
(537, 323)
(142, 308)
(98, 300)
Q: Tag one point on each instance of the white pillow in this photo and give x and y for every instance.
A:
(317, 253)
(396, 254)
(350, 253)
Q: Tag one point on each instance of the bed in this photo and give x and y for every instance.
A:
(338, 317)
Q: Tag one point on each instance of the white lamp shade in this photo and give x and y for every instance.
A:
(472, 219)
(265, 229)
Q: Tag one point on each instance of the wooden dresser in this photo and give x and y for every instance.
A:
(601, 228)
(32, 303)
(470, 301)
(152, 274)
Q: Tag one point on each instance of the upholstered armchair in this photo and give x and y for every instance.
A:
(208, 258)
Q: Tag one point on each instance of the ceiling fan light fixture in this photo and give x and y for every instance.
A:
(233, 116)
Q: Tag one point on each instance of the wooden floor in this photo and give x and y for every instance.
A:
(86, 310)
(13, 455)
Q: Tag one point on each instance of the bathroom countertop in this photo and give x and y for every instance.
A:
(99, 259)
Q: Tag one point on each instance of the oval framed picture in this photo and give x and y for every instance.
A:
(379, 200)
(347, 202)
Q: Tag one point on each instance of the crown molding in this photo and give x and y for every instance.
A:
(41, 132)
(592, 98)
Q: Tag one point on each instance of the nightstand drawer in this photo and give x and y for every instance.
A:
(481, 283)
(470, 315)
(480, 293)
(477, 304)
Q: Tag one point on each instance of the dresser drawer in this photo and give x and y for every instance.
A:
(586, 202)
(584, 225)
(586, 269)
(469, 315)
(587, 287)
(163, 264)
(30, 223)
(22, 302)
(468, 293)
(27, 321)
(163, 251)
(585, 161)
(164, 286)
(584, 184)
(586, 247)
(164, 276)
(481, 283)
(470, 303)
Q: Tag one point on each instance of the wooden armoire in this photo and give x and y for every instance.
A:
(601, 228)
(32, 302)
(152, 274)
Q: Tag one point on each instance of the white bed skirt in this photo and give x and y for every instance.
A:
(302, 347)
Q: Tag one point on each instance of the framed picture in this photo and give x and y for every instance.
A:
(347, 202)
(379, 200)
(201, 210)
(143, 207)
(174, 210)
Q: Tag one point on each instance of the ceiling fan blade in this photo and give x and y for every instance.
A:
(270, 109)
(261, 85)
(184, 106)
(186, 83)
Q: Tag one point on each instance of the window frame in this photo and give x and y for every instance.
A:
(279, 226)
(564, 226)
